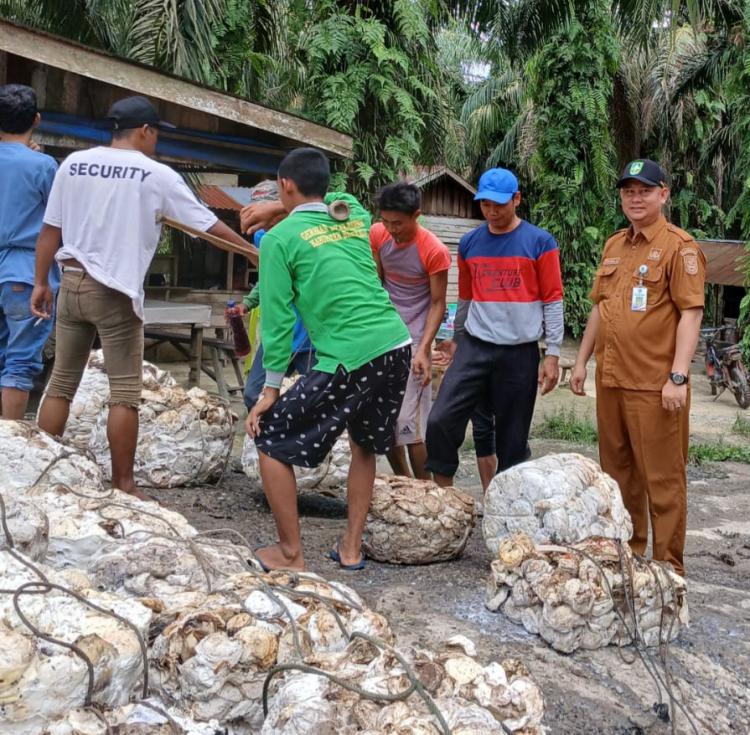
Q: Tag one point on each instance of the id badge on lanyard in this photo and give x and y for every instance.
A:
(639, 298)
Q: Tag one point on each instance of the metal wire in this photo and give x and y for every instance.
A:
(635, 635)
(415, 685)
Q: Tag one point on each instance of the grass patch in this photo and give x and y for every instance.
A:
(700, 453)
(566, 425)
(741, 426)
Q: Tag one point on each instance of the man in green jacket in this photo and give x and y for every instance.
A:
(324, 268)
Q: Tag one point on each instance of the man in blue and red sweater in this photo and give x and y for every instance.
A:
(509, 296)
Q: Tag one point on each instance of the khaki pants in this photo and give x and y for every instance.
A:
(645, 448)
(85, 307)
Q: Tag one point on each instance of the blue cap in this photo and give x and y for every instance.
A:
(498, 185)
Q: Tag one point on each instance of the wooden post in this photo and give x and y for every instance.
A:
(196, 355)
(3, 67)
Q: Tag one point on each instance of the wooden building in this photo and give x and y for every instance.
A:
(216, 134)
(448, 210)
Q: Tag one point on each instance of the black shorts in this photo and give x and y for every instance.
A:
(302, 426)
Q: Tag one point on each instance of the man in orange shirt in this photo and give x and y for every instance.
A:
(413, 265)
(644, 327)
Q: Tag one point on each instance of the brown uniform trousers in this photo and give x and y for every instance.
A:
(641, 445)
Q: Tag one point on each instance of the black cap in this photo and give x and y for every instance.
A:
(132, 112)
(645, 170)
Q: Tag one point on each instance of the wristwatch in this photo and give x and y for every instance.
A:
(678, 378)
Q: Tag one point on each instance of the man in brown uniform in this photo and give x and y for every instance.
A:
(644, 326)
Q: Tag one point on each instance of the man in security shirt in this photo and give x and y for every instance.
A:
(104, 206)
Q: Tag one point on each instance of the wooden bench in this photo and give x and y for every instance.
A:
(217, 349)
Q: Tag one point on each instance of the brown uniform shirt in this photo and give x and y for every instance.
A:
(635, 349)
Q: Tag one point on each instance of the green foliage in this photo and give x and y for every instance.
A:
(573, 165)
(701, 453)
(566, 425)
(741, 426)
(371, 71)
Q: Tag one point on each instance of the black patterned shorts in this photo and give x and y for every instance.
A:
(302, 426)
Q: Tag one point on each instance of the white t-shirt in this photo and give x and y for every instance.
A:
(107, 201)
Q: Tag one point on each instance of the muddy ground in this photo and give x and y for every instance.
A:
(586, 692)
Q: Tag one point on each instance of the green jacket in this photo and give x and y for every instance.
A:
(326, 269)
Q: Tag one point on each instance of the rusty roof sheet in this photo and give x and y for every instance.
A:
(724, 261)
(214, 197)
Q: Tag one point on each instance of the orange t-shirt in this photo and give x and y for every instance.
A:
(407, 270)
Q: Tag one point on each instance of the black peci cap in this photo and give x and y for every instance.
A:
(645, 170)
(132, 112)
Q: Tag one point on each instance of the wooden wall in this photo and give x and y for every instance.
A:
(447, 198)
(450, 230)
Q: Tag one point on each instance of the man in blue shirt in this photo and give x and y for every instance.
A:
(25, 181)
(303, 353)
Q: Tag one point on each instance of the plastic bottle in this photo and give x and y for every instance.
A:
(239, 333)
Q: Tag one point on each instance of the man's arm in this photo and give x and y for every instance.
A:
(252, 300)
(550, 283)
(674, 397)
(261, 216)
(578, 378)
(47, 245)
(220, 229)
(422, 363)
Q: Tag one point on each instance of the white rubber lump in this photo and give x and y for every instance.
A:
(148, 717)
(49, 639)
(591, 594)
(83, 526)
(457, 694)
(211, 659)
(31, 457)
(184, 437)
(27, 526)
(93, 394)
(417, 521)
(559, 498)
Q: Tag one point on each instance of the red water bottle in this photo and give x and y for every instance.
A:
(239, 333)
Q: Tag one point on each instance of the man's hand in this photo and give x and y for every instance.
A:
(42, 299)
(447, 347)
(549, 373)
(267, 398)
(260, 216)
(242, 307)
(421, 365)
(673, 397)
(34, 146)
(578, 380)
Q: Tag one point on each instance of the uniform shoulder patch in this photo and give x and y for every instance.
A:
(690, 260)
(684, 236)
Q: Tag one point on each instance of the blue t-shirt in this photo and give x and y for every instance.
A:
(26, 178)
(300, 337)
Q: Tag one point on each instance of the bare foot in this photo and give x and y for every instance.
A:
(273, 557)
(136, 493)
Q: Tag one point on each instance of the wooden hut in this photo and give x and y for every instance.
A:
(448, 210)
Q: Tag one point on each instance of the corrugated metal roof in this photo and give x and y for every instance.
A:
(724, 261)
(214, 197)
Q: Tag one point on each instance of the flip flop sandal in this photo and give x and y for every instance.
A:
(256, 558)
(334, 555)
